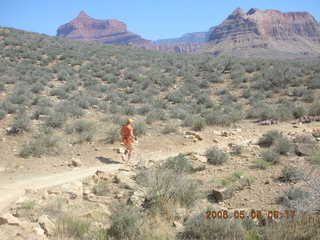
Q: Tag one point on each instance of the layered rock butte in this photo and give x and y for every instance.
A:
(85, 28)
(291, 33)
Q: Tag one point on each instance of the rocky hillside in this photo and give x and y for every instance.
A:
(196, 37)
(85, 28)
(270, 31)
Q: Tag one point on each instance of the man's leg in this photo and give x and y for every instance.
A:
(129, 152)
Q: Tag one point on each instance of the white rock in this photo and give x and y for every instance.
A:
(76, 162)
(9, 219)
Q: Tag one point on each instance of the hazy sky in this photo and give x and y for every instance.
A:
(155, 19)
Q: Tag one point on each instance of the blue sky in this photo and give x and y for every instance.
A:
(151, 19)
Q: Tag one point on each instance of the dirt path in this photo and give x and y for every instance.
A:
(9, 193)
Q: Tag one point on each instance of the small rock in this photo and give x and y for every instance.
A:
(194, 134)
(76, 162)
(2, 169)
(178, 226)
(47, 225)
(120, 150)
(9, 219)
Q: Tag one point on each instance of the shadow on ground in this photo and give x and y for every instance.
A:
(107, 160)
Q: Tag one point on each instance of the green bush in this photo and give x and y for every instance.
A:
(21, 123)
(315, 109)
(113, 135)
(126, 223)
(180, 163)
(72, 227)
(139, 128)
(42, 144)
(282, 145)
(315, 158)
(300, 227)
(197, 227)
(291, 174)
(2, 114)
(294, 194)
(215, 156)
(262, 164)
(102, 188)
(269, 138)
(270, 156)
(171, 128)
(168, 189)
(84, 128)
(56, 120)
(198, 124)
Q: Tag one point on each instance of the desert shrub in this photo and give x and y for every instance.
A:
(315, 109)
(198, 124)
(2, 114)
(175, 97)
(315, 82)
(261, 111)
(291, 196)
(9, 107)
(40, 111)
(154, 116)
(269, 138)
(113, 135)
(270, 156)
(237, 149)
(262, 164)
(171, 128)
(42, 101)
(42, 144)
(2, 87)
(126, 223)
(291, 174)
(301, 227)
(199, 228)
(298, 111)
(59, 92)
(167, 189)
(56, 120)
(315, 158)
(69, 108)
(282, 145)
(37, 87)
(102, 188)
(139, 128)
(180, 163)
(284, 111)
(84, 128)
(216, 156)
(129, 110)
(21, 123)
(143, 110)
(69, 226)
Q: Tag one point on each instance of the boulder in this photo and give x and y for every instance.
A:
(219, 195)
